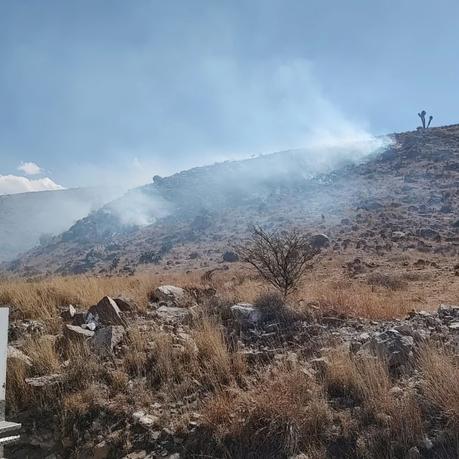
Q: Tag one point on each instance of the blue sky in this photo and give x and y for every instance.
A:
(117, 91)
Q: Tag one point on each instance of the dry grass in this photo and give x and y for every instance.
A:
(282, 413)
(42, 352)
(440, 371)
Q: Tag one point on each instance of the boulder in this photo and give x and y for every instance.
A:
(107, 311)
(169, 294)
(246, 314)
(319, 241)
(105, 339)
(124, 304)
(173, 314)
(74, 332)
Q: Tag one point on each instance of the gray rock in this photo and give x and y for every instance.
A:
(74, 332)
(169, 294)
(105, 339)
(107, 312)
(246, 313)
(173, 314)
(125, 304)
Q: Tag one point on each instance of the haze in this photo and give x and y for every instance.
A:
(97, 92)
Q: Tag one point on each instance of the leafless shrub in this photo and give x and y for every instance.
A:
(281, 258)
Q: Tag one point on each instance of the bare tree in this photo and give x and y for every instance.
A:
(280, 258)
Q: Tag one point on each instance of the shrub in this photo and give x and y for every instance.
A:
(280, 258)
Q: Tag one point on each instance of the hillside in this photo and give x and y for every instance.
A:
(403, 197)
(27, 217)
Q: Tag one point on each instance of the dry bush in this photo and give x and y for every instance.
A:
(281, 258)
(203, 360)
(440, 376)
(365, 381)
(217, 364)
(359, 300)
(136, 358)
(42, 352)
(282, 413)
(83, 367)
(18, 392)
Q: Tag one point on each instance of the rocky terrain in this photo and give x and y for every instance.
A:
(30, 219)
(402, 198)
(160, 342)
(192, 374)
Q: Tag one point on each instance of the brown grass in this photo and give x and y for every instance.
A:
(440, 370)
(281, 414)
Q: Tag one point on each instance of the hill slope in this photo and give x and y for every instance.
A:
(403, 197)
(27, 217)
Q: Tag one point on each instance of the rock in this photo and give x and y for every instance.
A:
(230, 257)
(125, 304)
(68, 314)
(42, 381)
(74, 332)
(397, 348)
(13, 353)
(136, 455)
(173, 314)
(169, 294)
(145, 420)
(319, 241)
(105, 339)
(107, 312)
(246, 313)
(79, 318)
(454, 326)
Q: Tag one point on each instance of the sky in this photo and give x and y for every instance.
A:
(96, 92)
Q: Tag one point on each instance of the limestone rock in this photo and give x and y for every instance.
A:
(173, 314)
(14, 353)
